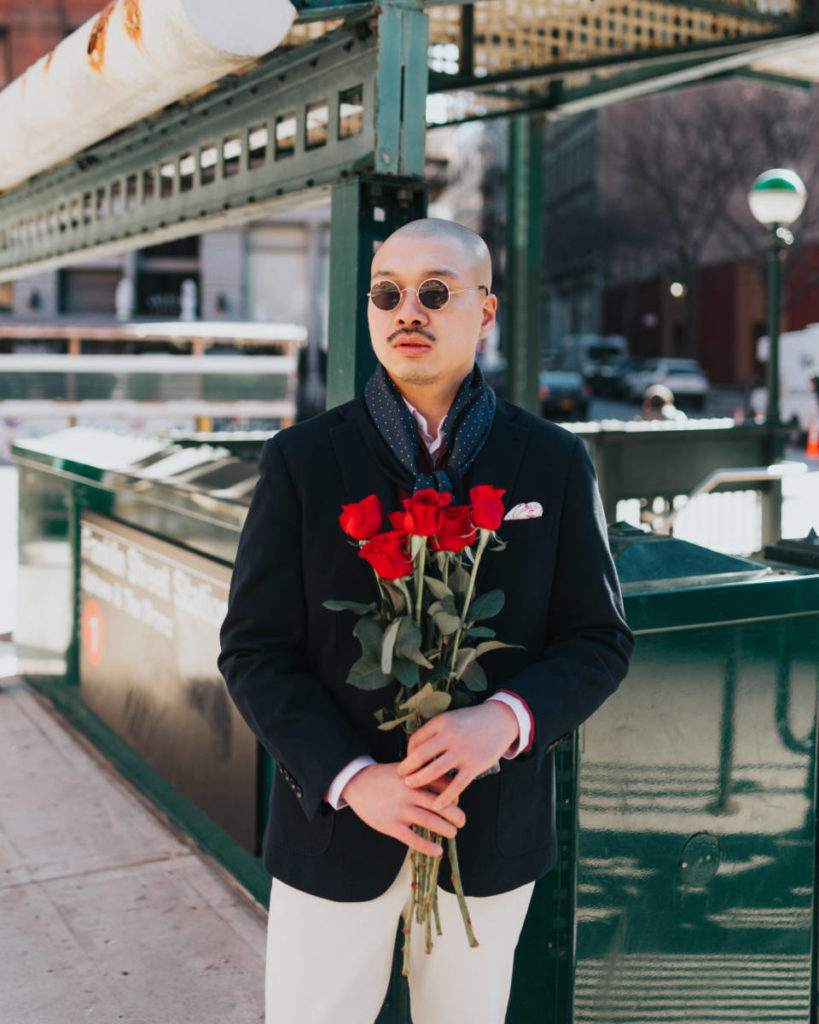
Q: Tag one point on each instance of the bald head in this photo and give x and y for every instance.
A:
(474, 249)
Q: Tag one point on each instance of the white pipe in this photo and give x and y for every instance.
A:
(130, 60)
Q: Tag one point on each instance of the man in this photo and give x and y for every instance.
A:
(346, 794)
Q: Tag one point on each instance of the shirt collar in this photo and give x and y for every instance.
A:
(432, 443)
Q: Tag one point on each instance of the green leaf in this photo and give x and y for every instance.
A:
(350, 606)
(406, 672)
(446, 623)
(388, 645)
(459, 580)
(371, 637)
(480, 631)
(416, 543)
(427, 702)
(399, 602)
(446, 604)
(419, 659)
(486, 605)
(492, 645)
(500, 545)
(475, 677)
(439, 589)
(464, 660)
(393, 722)
(434, 704)
(367, 675)
(408, 641)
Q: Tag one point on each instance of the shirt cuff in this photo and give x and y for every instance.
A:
(333, 797)
(526, 722)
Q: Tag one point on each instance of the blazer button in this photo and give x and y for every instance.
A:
(298, 791)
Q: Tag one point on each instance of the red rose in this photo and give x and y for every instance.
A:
(363, 519)
(422, 512)
(455, 531)
(487, 507)
(387, 554)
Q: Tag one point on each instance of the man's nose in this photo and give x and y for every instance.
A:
(411, 309)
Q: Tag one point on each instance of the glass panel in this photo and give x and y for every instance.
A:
(351, 112)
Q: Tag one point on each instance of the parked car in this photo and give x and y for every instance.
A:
(564, 395)
(587, 354)
(684, 377)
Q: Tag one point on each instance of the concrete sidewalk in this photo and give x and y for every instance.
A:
(107, 913)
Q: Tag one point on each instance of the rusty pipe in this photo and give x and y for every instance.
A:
(130, 60)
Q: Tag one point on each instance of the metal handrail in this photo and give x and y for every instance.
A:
(751, 474)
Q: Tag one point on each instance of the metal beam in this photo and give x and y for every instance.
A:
(254, 145)
(542, 89)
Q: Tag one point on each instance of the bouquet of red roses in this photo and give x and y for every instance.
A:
(426, 632)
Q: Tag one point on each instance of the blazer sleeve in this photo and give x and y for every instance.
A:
(587, 644)
(263, 643)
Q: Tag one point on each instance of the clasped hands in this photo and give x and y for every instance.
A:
(420, 790)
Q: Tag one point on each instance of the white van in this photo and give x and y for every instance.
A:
(595, 356)
(798, 363)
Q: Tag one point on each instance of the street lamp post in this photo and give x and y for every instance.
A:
(776, 199)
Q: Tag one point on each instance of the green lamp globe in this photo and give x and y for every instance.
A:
(777, 196)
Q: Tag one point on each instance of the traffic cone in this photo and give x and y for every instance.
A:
(812, 450)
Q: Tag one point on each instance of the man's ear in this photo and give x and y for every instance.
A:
(489, 312)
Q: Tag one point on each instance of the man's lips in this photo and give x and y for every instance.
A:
(411, 342)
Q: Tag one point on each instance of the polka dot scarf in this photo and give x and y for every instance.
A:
(466, 428)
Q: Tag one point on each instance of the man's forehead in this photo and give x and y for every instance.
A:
(399, 270)
(429, 257)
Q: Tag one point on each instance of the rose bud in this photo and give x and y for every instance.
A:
(422, 512)
(363, 519)
(455, 531)
(387, 554)
(487, 507)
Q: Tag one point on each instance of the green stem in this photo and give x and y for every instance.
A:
(483, 540)
(408, 919)
(459, 892)
(419, 581)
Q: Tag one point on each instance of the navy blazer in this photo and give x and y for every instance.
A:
(285, 658)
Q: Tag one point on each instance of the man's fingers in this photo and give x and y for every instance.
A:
(432, 771)
(414, 841)
(451, 793)
(433, 821)
(420, 756)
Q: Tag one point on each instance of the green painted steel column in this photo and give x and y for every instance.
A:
(775, 252)
(365, 210)
(524, 261)
(543, 981)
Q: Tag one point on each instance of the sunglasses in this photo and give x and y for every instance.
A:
(432, 294)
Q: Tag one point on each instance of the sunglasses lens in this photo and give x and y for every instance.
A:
(385, 295)
(433, 294)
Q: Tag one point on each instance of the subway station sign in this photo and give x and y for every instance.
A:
(150, 613)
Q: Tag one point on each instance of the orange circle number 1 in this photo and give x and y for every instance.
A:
(93, 634)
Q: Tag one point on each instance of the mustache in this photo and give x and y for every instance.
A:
(419, 331)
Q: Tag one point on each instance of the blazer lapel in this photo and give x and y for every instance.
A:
(359, 470)
(499, 461)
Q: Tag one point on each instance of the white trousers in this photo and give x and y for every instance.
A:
(329, 962)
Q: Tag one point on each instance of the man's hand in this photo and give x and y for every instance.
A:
(468, 741)
(381, 798)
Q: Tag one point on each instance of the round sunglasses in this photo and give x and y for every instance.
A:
(432, 294)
